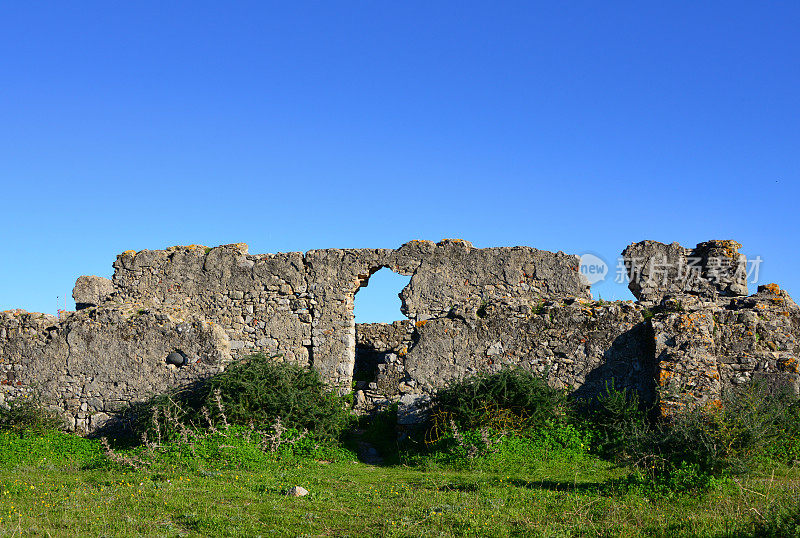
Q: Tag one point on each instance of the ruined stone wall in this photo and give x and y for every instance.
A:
(301, 306)
(261, 301)
(579, 345)
(693, 332)
(708, 333)
(98, 360)
(175, 316)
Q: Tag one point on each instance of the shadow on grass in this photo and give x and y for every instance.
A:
(554, 485)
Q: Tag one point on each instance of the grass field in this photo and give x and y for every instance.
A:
(60, 485)
(500, 455)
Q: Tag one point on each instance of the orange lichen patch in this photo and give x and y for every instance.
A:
(129, 253)
(663, 377)
(773, 288)
(789, 365)
(242, 247)
(403, 352)
(688, 321)
(671, 408)
(421, 323)
(186, 247)
(731, 248)
(461, 242)
(777, 300)
(784, 314)
(716, 403)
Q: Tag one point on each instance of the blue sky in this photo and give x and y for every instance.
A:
(580, 126)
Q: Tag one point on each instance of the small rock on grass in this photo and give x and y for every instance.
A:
(297, 491)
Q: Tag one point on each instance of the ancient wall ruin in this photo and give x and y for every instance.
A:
(171, 317)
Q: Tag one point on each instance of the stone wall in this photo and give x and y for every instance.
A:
(693, 331)
(98, 360)
(301, 306)
(579, 345)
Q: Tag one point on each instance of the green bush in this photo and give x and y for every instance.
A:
(514, 396)
(691, 450)
(508, 418)
(27, 414)
(752, 422)
(258, 390)
(255, 392)
(760, 421)
(615, 417)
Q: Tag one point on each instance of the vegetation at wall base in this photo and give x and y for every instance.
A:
(260, 389)
(256, 392)
(513, 395)
(28, 414)
(491, 463)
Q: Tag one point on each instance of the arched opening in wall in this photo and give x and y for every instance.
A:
(378, 300)
(379, 341)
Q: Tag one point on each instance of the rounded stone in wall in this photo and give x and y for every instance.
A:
(176, 359)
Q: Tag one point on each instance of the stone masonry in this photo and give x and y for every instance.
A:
(693, 331)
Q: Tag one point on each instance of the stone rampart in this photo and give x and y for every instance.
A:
(171, 317)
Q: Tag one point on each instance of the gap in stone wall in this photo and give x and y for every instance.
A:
(378, 300)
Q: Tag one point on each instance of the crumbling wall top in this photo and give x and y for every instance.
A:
(712, 270)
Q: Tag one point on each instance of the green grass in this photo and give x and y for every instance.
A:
(502, 456)
(58, 485)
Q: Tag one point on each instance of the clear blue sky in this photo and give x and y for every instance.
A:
(574, 126)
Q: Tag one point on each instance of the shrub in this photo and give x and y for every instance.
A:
(27, 414)
(512, 398)
(508, 418)
(258, 390)
(615, 417)
(759, 420)
(753, 421)
(257, 393)
(691, 450)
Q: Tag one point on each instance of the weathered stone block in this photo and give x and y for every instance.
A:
(91, 291)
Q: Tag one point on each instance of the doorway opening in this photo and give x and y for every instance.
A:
(377, 339)
(378, 300)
